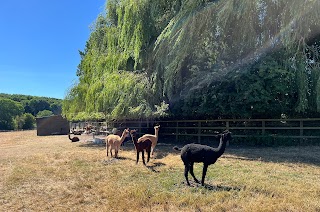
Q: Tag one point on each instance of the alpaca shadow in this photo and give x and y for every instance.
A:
(92, 145)
(155, 165)
(212, 187)
(123, 158)
(220, 188)
(110, 161)
(159, 155)
(114, 160)
(162, 150)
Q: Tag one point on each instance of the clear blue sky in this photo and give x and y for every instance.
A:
(39, 43)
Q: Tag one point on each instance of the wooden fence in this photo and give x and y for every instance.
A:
(241, 128)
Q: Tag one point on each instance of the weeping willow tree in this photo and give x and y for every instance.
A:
(234, 58)
(207, 43)
(112, 83)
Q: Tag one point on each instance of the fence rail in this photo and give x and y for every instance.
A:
(241, 128)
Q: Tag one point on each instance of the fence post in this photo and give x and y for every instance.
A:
(301, 131)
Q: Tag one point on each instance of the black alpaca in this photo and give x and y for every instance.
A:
(141, 146)
(74, 139)
(196, 153)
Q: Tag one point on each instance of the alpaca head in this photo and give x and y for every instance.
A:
(133, 133)
(125, 132)
(226, 135)
(157, 127)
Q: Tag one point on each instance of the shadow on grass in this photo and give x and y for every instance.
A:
(114, 160)
(212, 187)
(92, 145)
(305, 154)
(162, 150)
(155, 165)
(221, 188)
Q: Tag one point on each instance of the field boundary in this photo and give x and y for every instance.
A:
(307, 128)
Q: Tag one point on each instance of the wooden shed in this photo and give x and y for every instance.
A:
(52, 125)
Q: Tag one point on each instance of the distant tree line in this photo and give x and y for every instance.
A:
(19, 111)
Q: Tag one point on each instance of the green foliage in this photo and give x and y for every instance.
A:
(9, 109)
(31, 105)
(199, 59)
(29, 121)
(44, 113)
(38, 105)
(207, 57)
(34, 104)
(116, 96)
(56, 107)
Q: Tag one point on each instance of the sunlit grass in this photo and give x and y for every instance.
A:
(52, 174)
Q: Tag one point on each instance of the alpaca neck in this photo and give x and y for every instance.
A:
(135, 140)
(123, 136)
(222, 146)
(156, 132)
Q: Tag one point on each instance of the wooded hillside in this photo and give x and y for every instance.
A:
(19, 111)
(200, 59)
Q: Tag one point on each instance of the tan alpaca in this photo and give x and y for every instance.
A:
(114, 142)
(152, 138)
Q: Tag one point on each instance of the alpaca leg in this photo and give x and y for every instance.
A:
(137, 157)
(192, 174)
(186, 170)
(204, 172)
(116, 153)
(152, 151)
(107, 150)
(148, 151)
(144, 162)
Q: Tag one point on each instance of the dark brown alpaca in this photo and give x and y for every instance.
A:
(141, 146)
(196, 153)
(74, 139)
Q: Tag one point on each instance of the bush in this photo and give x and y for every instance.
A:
(44, 113)
(29, 121)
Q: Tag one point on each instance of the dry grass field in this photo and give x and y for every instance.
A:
(52, 174)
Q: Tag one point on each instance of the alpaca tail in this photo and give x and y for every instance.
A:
(177, 148)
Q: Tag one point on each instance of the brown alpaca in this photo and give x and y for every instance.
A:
(114, 142)
(141, 146)
(152, 138)
(74, 139)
